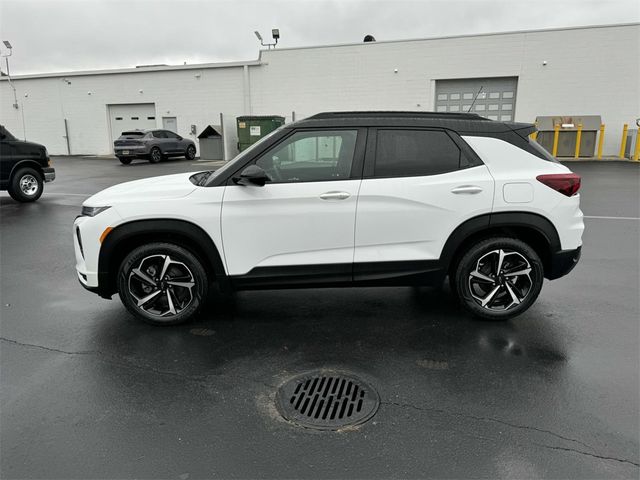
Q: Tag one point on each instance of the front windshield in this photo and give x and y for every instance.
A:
(231, 164)
(6, 134)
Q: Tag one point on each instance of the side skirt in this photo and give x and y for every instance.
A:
(421, 272)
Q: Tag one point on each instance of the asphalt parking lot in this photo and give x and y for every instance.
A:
(89, 392)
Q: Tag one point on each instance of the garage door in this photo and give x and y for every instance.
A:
(131, 116)
(496, 101)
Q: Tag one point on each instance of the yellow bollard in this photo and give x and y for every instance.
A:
(556, 135)
(623, 144)
(534, 135)
(578, 140)
(600, 141)
(636, 153)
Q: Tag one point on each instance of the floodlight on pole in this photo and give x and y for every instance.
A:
(6, 56)
(275, 33)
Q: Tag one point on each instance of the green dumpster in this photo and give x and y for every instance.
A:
(252, 128)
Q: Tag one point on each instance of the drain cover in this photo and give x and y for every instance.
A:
(327, 400)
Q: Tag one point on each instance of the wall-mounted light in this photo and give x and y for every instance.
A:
(395, 70)
(544, 63)
(89, 93)
(141, 91)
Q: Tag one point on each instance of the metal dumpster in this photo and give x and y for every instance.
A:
(252, 128)
(211, 143)
(568, 132)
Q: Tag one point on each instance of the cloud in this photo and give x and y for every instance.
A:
(63, 35)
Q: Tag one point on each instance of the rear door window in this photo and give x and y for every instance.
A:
(409, 153)
(159, 134)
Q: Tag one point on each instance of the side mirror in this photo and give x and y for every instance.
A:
(179, 137)
(252, 175)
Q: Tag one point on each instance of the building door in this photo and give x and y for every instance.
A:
(170, 123)
(496, 101)
(132, 116)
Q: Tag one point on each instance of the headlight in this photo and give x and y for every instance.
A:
(92, 211)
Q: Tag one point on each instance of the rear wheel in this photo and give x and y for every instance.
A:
(155, 155)
(125, 160)
(26, 185)
(190, 154)
(498, 278)
(162, 284)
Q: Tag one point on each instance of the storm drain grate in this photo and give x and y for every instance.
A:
(327, 400)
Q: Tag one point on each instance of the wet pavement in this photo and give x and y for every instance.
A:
(89, 392)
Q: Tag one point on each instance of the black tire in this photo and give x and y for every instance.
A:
(26, 185)
(184, 268)
(155, 155)
(509, 295)
(125, 160)
(190, 153)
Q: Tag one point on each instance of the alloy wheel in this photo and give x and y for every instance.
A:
(501, 280)
(156, 154)
(161, 286)
(29, 185)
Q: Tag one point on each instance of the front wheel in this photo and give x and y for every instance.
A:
(498, 278)
(26, 185)
(162, 284)
(190, 154)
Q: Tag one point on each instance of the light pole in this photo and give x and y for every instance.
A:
(6, 56)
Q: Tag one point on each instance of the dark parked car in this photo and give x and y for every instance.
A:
(24, 167)
(153, 145)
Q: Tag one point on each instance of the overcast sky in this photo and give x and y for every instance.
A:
(64, 35)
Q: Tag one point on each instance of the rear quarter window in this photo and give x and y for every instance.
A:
(406, 153)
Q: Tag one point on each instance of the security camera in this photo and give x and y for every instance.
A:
(638, 122)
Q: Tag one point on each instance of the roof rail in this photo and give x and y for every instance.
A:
(398, 114)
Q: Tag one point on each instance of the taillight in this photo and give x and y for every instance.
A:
(566, 183)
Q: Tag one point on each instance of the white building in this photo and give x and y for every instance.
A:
(569, 71)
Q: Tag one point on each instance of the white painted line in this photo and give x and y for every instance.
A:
(72, 194)
(613, 218)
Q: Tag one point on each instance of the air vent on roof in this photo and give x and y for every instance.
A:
(369, 38)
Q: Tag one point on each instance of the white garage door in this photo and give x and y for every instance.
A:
(494, 98)
(131, 116)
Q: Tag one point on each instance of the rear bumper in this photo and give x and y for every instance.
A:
(133, 151)
(49, 174)
(563, 262)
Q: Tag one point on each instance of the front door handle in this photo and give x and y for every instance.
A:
(335, 196)
(466, 189)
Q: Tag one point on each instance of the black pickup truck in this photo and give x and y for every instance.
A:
(24, 167)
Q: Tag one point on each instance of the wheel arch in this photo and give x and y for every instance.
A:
(533, 229)
(124, 238)
(28, 163)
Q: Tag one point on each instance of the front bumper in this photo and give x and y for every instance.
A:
(49, 174)
(562, 262)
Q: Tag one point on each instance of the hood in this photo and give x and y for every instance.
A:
(149, 189)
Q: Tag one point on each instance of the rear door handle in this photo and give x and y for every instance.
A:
(466, 190)
(335, 196)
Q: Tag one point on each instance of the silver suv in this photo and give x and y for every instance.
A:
(153, 145)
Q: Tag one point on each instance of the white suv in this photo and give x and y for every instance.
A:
(343, 199)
